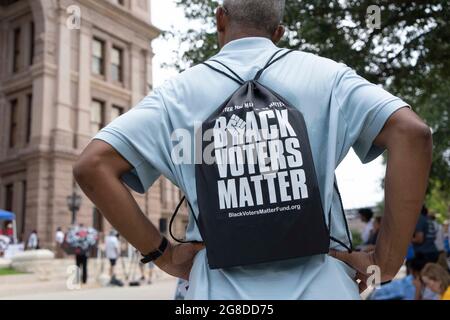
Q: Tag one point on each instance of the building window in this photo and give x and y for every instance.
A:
(13, 124)
(97, 222)
(16, 50)
(163, 225)
(29, 116)
(116, 64)
(97, 116)
(120, 2)
(98, 57)
(32, 37)
(116, 112)
(9, 197)
(163, 193)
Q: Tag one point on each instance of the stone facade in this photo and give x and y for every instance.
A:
(47, 93)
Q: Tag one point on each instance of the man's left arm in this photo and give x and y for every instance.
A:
(374, 120)
(409, 146)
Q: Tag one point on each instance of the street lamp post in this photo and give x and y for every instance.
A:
(74, 203)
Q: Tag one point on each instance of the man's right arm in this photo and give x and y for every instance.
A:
(98, 171)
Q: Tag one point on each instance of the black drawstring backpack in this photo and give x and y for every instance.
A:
(257, 189)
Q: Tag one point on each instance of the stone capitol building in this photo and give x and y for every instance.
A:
(59, 84)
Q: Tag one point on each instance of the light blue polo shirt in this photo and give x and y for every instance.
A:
(341, 110)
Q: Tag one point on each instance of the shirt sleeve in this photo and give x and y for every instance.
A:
(138, 136)
(389, 291)
(365, 108)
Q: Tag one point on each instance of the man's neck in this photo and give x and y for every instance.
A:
(240, 34)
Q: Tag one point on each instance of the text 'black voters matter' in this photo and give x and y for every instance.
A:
(257, 154)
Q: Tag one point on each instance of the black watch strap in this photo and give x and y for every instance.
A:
(157, 253)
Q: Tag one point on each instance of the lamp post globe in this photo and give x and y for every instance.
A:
(74, 204)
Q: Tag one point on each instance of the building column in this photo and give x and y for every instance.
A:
(63, 135)
(43, 72)
(42, 114)
(4, 125)
(83, 110)
(136, 86)
(26, 40)
(83, 128)
(61, 187)
(5, 47)
(149, 71)
(38, 198)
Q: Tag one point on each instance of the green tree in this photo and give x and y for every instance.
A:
(409, 54)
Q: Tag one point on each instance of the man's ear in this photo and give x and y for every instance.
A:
(278, 34)
(220, 19)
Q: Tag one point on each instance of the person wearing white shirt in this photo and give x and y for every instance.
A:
(112, 250)
(59, 239)
(366, 217)
(33, 241)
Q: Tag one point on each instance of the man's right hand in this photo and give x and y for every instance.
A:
(177, 260)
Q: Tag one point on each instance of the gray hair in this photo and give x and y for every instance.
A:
(257, 14)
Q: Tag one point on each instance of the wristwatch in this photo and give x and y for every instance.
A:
(157, 253)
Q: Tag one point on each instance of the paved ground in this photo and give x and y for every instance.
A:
(52, 282)
(163, 289)
(54, 287)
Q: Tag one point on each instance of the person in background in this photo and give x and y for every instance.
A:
(181, 289)
(81, 240)
(142, 268)
(438, 241)
(4, 243)
(446, 240)
(424, 237)
(112, 251)
(407, 288)
(151, 267)
(372, 241)
(81, 253)
(441, 242)
(437, 280)
(33, 241)
(10, 232)
(59, 239)
(366, 215)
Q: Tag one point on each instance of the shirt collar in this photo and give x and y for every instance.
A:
(248, 43)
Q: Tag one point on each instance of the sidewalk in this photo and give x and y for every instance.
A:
(52, 283)
(161, 290)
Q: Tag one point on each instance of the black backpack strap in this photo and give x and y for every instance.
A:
(238, 80)
(229, 69)
(173, 218)
(349, 248)
(271, 61)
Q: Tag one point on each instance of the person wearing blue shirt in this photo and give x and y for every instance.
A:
(424, 237)
(407, 288)
(341, 110)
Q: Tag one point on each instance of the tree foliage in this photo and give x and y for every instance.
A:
(409, 54)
